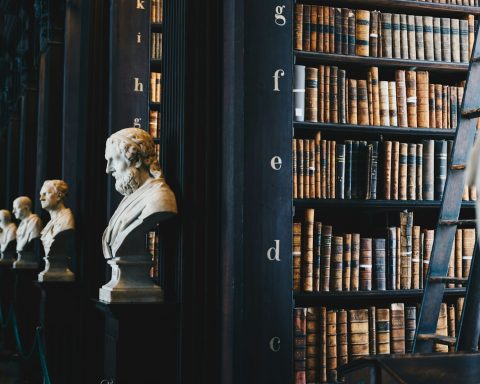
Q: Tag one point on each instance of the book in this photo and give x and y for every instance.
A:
(410, 325)
(468, 235)
(347, 258)
(382, 327)
(299, 352)
(311, 94)
(446, 41)
(387, 47)
(299, 92)
(416, 244)
(336, 264)
(419, 43)
(325, 258)
(307, 254)
(442, 328)
(396, 36)
(392, 258)
(379, 272)
(372, 332)
(440, 168)
(387, 169)
(317, 255)
(374, 33)
(428, 174)
(365, 277)
(312, 344)
(331, 344)
(362, 32)
(428, 38)
(397, 328)
(296, 255)
(412, 171)
(406, 226)
(429, 235)
(342, 340)
(358, 337)
(355, 263)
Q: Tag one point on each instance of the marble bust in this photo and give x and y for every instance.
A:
(29, 229)
(57, 236)
(7, 238)
(132, 161)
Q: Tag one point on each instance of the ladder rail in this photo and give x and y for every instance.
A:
(450, 207)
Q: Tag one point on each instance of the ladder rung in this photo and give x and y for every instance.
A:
(458, 222)
(471, 113)
(440, 339)
(457, 167)
(446, 279)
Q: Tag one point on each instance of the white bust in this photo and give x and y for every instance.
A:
(9, 229)
(30, 226)
(52, 197)
(132, 161)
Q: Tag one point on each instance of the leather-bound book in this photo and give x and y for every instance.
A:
(399, 252)
(373, 165)
(403, 166)
(455, 39)
(419, 160)
(365, 264)
(392, 103)
(326, 94)
(345, 12)
(336, 264)
(453, 107)
(451, 267)
(412, 171)
(297, 255)
(412, 48)
(442, 329)
(446, 41)
(458, 254)
(311, 168)
(332, 180)
(313, 27)
(428, 38)
(375, 95)
(404, 36)
(374, 33)
(326, 29)
(321, 94)
(419, 43)
(299, 26)
(363, 112)
(311, 94)
(317, 255)
(338, 30)
(428, 169)
(410, 325)
(396, 38)
(471, 34)
(387, 169)
(320, 28)
(322, 373)
(401, 98)
(362, 32)
(318, 165)
(352, 101)
(452, 329)
(372, 331)
(411, 87)
(355, 264)
(422, 100)
(306, 27)
(307, 253)
(306, 164)
(313, 338)
(459, 310)
(406, 227)
(340, 171)
(342, 340)
(362, 166)
(358, 336)
(352, 26)
(384, 104)
(331, 29)
(386, 35)
(334, 94)
(437, 38)
(440, 168)
(431, 105)
(397, 328)
(324, 166)
(379, 254)
(331, 341)
(300, 345)
(325, 259)
(300, 168)
(294, 168)
(347, 259)
(392, 258)
(468, 246)
(429, 235)
(416, 257)
(342, 110)
(382, 327)
(394, 190)
(445, 103)
(348, 168)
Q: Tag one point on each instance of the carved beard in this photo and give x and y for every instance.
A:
(128, 182)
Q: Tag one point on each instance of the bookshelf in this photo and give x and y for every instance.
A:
(322, 256)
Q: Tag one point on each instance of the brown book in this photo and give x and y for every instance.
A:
(375, 96)
(419, 43)
(294, 168)
(331, 29)
(412, 171)
(355, 264)
(153, 124)
(387, 169)
(397, 328)
(300, 168)
(455, 39)
(399, 251)
(365, 264)
(311, 168)
(451, 267)
(404, 37)
(416, 257)
(331, 342)
(336, 263)
(471, 34)
(358, 337)
(313, 27)
(392, 103)
(326, 256)
(446, 41)
(318, 151)
(442, 328)
(410, 325)
(362, 32)
(431, 106)
(428, 37)
(313, 339)
(370, 97)
(322, 374)
(468, 246)
(401, 99)
(299, 26)
(342, 344)
(351, 32)
(352, 101)
(363, 112)
(326, 94)
(321, 94)
(372, 333)
(445, 100)
(320, 28)
(326, 29)
(402, 182)
(306, 163)
(438, 106)
(334, 94)
(419, 160)
(342, 111)
(382, 327)
(422, 100)
(411, 86)
(332, 168)
(347, 259)
(306, 27)
(396, 37)
(394, 190)
(387, 48)
(384, 104)
(437, 38)
(406, 224)
(297, 255)
(307, 261)
(429, 235)
(329, 169)
(374, 33)
(412, 48)
(458, 254)
(452, 329)
(345, 13)
(311, 94)
(300, 345)
(323, 162)
(317, 255)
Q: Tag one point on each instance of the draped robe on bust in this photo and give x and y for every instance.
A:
(29, 228)
(154, 196)
(8, 234)
(62, 222)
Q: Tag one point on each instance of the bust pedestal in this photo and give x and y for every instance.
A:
(27, 257)
(6, 298)
(131, 282)
(9, 255)
(131, 331)
(57, 258)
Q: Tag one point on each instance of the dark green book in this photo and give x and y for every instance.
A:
(348, 168)
(340, 171)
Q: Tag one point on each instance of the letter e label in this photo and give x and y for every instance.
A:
(275, 344)
(276, 163)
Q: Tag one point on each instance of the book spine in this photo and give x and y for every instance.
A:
(358, 337)
(342, 113)
(312, 345)
(442, 328)
(320, 28)
(403, 166)
(370, 97)
(382, 327)
(325, 259)
(453, 107)
(297, 255)
(392, 258)
(438, 106)
(300, 345)
(412, 49)
(323, 164)
(411, 87)
(318, 166)
(396, 38)
(397, 323)
(362, 167)
(300, 169)
(372, 332)
(326, 29)
(334, 94)
(467, 253)
(299, 27)
(419, 43)
(348, 168)
(355, 264)
(311, 94)
(362, 32)
(404, 36)
(406, 223)
(446, 41)
(352, 42)
(373, 43)
(428, 169)
(379, 271)
(326, 94)
(429, 235)
(412, 171)
(471, 34)
(338, 30)
(410, 325)
(331, 345)
(306, 27)
(428, 38)
(340, 171)
(387, 169)
(445, 100)
(332, 180)
(416, 257)
(451, 267)
(423, 99)
(375, 95)
(395, 174)
(307, 262)
(452, 332)
(401, 98)
(440, 168)
(392, 103)
(342, 343)
(317, 255)
(345, 13)
(322, 376)
(331, 29)
(363, 112)
(374, 170)
(347, 259)
(306, 163)
(313, 27)
(399, 252)
(352, 101)
(365, 264)
(419, 160)
(299, 92)
(455, 39)
(336, 264)
(437, 39)
(384, 104)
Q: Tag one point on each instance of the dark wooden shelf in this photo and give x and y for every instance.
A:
(156, 64)
(156, 27)
(155, 106)
(361, 298)
(372, 129)
(373, 204)
(156, 140)
(406, 6)
(433, 66)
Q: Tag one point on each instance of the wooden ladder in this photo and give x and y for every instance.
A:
(469, 326)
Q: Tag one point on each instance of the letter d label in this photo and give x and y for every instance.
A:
(273, 254)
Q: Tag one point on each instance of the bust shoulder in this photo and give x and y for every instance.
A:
(160, 199)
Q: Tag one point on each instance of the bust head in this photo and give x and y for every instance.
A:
(22, 207)
(131, 159)
(52, 194)
(5, 218)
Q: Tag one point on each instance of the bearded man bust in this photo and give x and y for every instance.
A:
(148, 200)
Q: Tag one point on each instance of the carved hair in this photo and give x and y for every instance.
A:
(60, 186)
(24, 200)
(6, 214)
(138, 148)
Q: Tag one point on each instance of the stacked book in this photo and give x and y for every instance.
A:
(382, 34)
(326, 261)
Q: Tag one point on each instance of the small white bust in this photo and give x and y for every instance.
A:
(52, 197)
(30, 226)
(9, 229)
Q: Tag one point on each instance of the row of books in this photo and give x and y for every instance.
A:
(156, 48)
(357, 169)
(326, 339)
(152, 243)
(154, 123)
(325, 94)
(155, 87)
(324, 261)
(381, 34)
(156, 15)
(471, 3)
